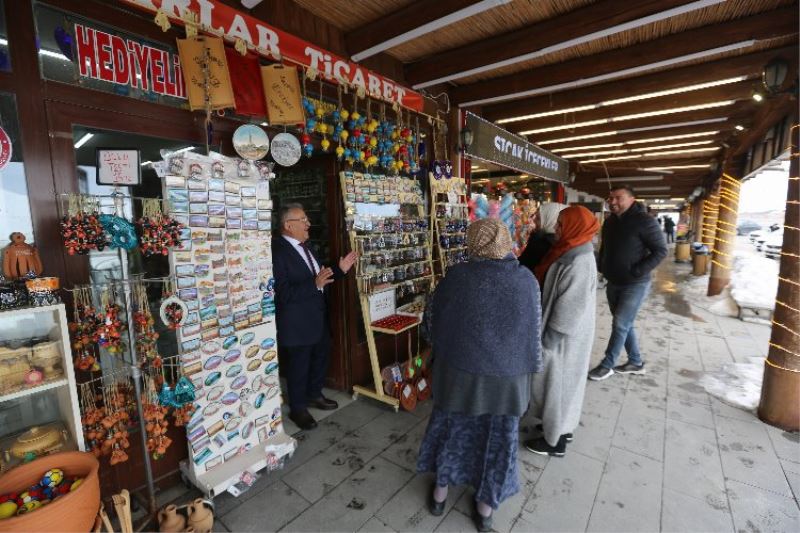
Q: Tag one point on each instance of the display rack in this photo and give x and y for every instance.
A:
(449, 219)
(388, 228)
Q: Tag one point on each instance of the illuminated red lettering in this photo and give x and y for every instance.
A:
(157, 69)
(122, 70)
(87, 61)
(105, 64)
(181, 88)
(169, 78)
(142, 56)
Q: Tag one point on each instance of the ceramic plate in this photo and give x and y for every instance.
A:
(285, 149)
(269, 369)
(258, 383)
(250, 142)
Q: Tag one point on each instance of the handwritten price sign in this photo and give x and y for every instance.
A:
(118, 167)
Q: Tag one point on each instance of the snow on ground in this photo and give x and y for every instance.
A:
(754, 281)
(737, 384)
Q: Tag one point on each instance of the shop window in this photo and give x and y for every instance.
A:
(82, 52)
(15, 212)
(306, 186)
(5, 55)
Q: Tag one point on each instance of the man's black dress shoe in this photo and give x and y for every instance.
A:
(323, 404)
(303, 419)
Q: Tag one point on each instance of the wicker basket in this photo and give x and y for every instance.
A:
(47, 355)
(14, 364)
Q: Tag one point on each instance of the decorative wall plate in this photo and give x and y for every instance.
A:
(168, 316)
(270, 368)
(285, 149)
(250, 142)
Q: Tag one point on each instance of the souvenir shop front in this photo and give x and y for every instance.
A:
(509, 176)
(146, 166)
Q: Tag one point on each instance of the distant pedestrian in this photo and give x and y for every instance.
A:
(632, 246)
(543, 235)
(569, 273)
(669, 229)
(486, 321)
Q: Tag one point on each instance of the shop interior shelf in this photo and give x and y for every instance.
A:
(33, 390)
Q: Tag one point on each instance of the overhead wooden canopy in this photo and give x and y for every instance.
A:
(617, 81)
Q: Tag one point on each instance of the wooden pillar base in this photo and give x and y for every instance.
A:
(715, 285)
(780, 398)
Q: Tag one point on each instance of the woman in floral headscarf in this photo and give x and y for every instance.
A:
(485, 317)
(568, 273)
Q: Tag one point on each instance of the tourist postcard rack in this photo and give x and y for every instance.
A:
(390, 230)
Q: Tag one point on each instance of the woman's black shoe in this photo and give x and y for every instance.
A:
(482, 523)
(435, 508)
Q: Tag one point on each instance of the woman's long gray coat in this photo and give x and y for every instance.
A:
(568, 324)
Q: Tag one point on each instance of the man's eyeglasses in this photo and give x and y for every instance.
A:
(304, 220)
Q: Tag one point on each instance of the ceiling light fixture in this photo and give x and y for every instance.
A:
(617, 158)
(653, 188)
(739, 127)
(692, 6)
(574, 148)
(625, 179)
(450, 18)
(758, 97)
(674, 137)
(185, 149)
(666, 146)
(634, 150)
(679, 152)
(709, 105)
(590, 154)
(676, 167)
(83, 140)
(634, 130)
(617, 101)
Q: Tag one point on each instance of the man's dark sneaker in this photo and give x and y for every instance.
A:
(541, 447)
(540, 429)
(599, 373)
(630, 368)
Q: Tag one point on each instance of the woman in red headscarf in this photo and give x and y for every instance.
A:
(568, 275)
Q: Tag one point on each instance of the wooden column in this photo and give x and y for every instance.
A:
(710, 214)
(780, 392)
(725, 234)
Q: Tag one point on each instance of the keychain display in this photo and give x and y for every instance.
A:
(157, 232)
(81, 229)
(450, 216)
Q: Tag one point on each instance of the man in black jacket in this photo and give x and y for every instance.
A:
(301, 313)
(632, 246)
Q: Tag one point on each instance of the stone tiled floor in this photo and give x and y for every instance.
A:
(652, 452)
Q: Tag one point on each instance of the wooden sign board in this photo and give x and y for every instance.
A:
(118, 167)
(282, 91)
(193, 56)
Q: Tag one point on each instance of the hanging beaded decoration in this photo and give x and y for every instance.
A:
(80, 227)
(157, 231)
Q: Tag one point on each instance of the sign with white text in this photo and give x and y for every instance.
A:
(118, 167)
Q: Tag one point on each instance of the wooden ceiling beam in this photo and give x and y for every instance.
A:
(742, 90)
(774, 111)
(738, 111)
(509, 47)
(364, 41)
(771, 24)
(749, 65)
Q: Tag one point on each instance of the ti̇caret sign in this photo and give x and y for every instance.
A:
(494, 144)
(222, 20)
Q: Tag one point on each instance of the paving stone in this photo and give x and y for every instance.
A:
(405, 449)
(690, 412)
(566, 484)
(273, 508)
(455, 522)
(792, 471)
(748, 456)
(640, 430)
(721, 408)
(757, 510)
(523, 526)
(692, 463)
(629, 497)
(680, 512)
(601, 408)
(325, 471)
(355, 501)
(375, 526)
(787, 445)
(387, 428)
(506, 515)
(408, 509)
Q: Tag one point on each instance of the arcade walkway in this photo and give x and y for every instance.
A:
(653, 452)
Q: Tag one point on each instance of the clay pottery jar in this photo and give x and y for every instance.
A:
(169, 521)
(201, 518)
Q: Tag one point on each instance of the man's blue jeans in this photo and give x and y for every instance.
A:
(624, 302)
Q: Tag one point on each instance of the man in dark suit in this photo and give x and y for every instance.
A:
(302, 321)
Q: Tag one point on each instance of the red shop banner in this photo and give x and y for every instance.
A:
(219, 19)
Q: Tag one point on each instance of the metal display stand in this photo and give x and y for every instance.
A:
(376, 392)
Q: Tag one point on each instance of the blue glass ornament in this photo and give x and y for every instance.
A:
(311, 124)
(308, 149)
(122, 232)
(335, 115)
(184, 391)
(351, 124)
(166, 398)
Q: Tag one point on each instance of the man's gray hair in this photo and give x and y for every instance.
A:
(285, 209)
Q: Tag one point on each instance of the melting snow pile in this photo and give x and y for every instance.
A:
(754, 281)
(737, 384)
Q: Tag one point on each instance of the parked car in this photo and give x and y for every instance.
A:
(754, 235)
(746, 227)
(773, 245)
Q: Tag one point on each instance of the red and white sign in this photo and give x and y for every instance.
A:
(111, 58)
(219, 19)
(118, 166)
(6, 148)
